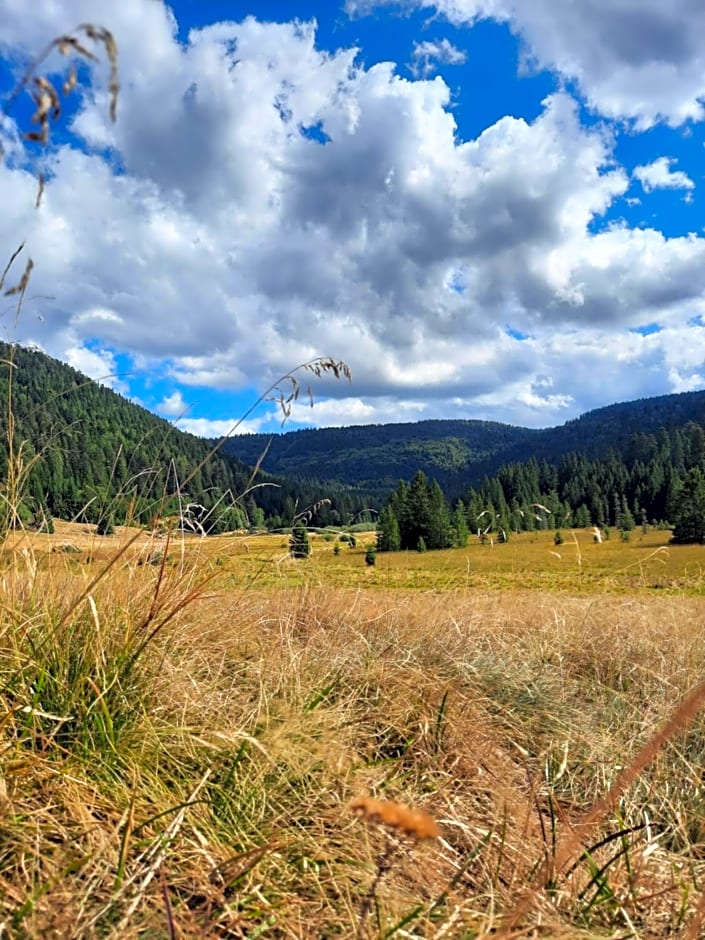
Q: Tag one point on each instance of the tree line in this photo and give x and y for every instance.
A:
(659, 481)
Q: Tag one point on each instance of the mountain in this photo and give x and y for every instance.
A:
(81, 450)
(613, 428)
(458, 453)
(375, 457)
(85, 451)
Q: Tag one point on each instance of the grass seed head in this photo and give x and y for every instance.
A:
(413, 823)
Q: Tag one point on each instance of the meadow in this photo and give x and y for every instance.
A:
(194, 732)
(646, 563)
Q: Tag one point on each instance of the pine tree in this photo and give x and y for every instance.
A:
(582, 517)
(388, 534)
(439, 533)
(460, 525)
(688, 509)
(299, 546)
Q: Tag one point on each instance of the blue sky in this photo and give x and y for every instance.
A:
(488, 208)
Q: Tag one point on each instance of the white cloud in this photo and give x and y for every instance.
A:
(173, 406)
(227, 427)
(346, 411)
(659, 175)
(98, 365)
(639, 59)
(276, 202)
(428, 55)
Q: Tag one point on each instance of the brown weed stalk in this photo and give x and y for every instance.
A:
(577, 839)
(399, 822)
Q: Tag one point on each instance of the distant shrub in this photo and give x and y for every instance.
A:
(336, 548)
(558, 538)
(421, 545)
(370, 556)
(106, 525)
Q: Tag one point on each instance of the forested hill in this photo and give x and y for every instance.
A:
(616, 427)
(376, 456)
(101, 457)
(461, 453)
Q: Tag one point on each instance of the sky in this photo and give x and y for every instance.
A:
(487, 208)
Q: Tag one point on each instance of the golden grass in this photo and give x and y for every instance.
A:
(647, 564)
(202, 788)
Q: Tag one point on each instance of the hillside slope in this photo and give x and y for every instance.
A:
(100, 454)
(459, 453)
(375, 457)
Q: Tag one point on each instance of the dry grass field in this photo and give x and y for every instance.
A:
(647, 563)
(185, 724)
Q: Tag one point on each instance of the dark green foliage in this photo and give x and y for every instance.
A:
(421, 545)
(299, 545)
(614, 491)
(106, 525)
(461, 533)
(688, 509)
(461, 453)
(416, 514)
(558, 538)
(102, 455)
(375, 457)
(370, 556)
(388, 535)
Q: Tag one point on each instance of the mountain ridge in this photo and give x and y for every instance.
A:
(99, 452)
(458, 452)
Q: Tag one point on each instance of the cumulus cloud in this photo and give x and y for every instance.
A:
(428, 55)
(637, 59)
(217, 428)
(659, 175)
(97, 364)
(273, 202)
(173, 406)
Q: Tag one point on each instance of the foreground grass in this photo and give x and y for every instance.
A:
(179, 752)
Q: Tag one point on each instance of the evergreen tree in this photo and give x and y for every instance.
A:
(299, 546)
(688, 509)
(627, 517)
(439, 533)
(388, 535)
(370, 556)
(460, 525)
